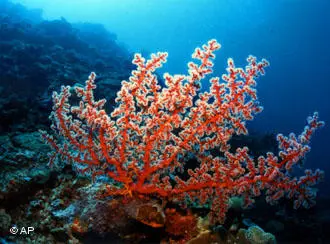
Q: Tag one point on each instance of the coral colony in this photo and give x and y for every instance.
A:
(141, 148)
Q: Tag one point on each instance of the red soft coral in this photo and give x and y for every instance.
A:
(145, 140)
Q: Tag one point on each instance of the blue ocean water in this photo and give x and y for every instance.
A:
(293, 35)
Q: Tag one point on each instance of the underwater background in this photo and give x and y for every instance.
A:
(45, 44)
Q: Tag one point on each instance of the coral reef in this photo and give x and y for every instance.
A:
(161, 168)
(37, 55)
